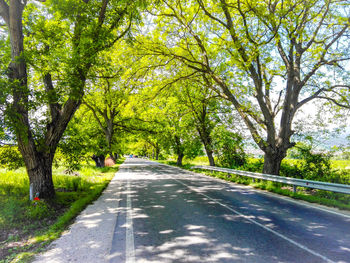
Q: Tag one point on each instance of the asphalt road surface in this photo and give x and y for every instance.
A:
(167, 215)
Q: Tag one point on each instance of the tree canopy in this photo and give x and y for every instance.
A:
(169, 75)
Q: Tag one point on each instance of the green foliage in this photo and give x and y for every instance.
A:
(38, 210)
(10, 157)
(252, 165)
(228, 148)
(313, 166)
(44, 220)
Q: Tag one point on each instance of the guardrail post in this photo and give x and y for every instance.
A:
(294, 188)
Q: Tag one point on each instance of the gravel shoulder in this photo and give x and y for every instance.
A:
(89, 238)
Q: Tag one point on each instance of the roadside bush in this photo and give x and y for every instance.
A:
(252, 165)
(290, 169)
(314, 166)
(10, 158)
(228, 148)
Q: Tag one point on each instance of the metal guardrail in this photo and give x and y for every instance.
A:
(339, 188)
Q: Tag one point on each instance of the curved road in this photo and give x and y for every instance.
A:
(157, 213)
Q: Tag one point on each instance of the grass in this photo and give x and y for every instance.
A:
(28, 227)
(337, 200)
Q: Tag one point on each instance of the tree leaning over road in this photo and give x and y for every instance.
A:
(267, 58)
(64, 39)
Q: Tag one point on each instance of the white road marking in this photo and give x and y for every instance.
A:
(129, 245)
(286, 198)
(258, 224)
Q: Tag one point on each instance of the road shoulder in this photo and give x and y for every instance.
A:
(89, 238)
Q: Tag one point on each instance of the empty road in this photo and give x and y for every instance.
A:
(167, 215)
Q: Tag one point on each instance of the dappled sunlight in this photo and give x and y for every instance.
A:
(179, 217)
(163, 198)
(90, 236)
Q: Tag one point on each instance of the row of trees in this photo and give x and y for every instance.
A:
(53, 48)
(177, 74)
(267, 58)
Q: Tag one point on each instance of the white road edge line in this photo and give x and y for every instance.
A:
(129, 241)
(108, 257)
(286, 198)
(258, 224)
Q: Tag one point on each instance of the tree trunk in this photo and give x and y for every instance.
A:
(180, 156)
(205, 137)
(157, 153)
(99, 160)
(210, 157)
(40, 177)
(272, 162)
(38, 165)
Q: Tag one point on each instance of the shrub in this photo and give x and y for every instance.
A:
(228, 148)
(314, 166)
(10, 157)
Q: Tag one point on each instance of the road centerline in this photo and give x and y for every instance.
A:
(257, 223)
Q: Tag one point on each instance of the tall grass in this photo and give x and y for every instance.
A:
(43, 221)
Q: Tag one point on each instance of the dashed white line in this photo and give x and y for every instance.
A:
(129, 245)
(258, 224)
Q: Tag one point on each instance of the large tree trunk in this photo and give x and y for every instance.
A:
(99, 160)
(272, 161)
(206, 140)
(41, 176)
(180, 156)
(38, 165)
(210, 157)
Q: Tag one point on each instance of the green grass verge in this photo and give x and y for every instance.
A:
(30, 226)
(330, 199)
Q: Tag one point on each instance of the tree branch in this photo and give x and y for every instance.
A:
(5, 12)
(335, 102)
(304, 101)
(55, 107)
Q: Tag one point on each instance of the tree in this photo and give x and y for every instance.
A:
(228, 147)
(180, 131)
(267, 58)
(65, 39)
(203, 107)
(108, 97)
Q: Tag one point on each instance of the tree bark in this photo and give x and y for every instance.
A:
(40, 177)
(180, 156)
(99, 160)
(205, 137)
(38, 165)
(210, 156)
(273, 160)
(157, 153)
